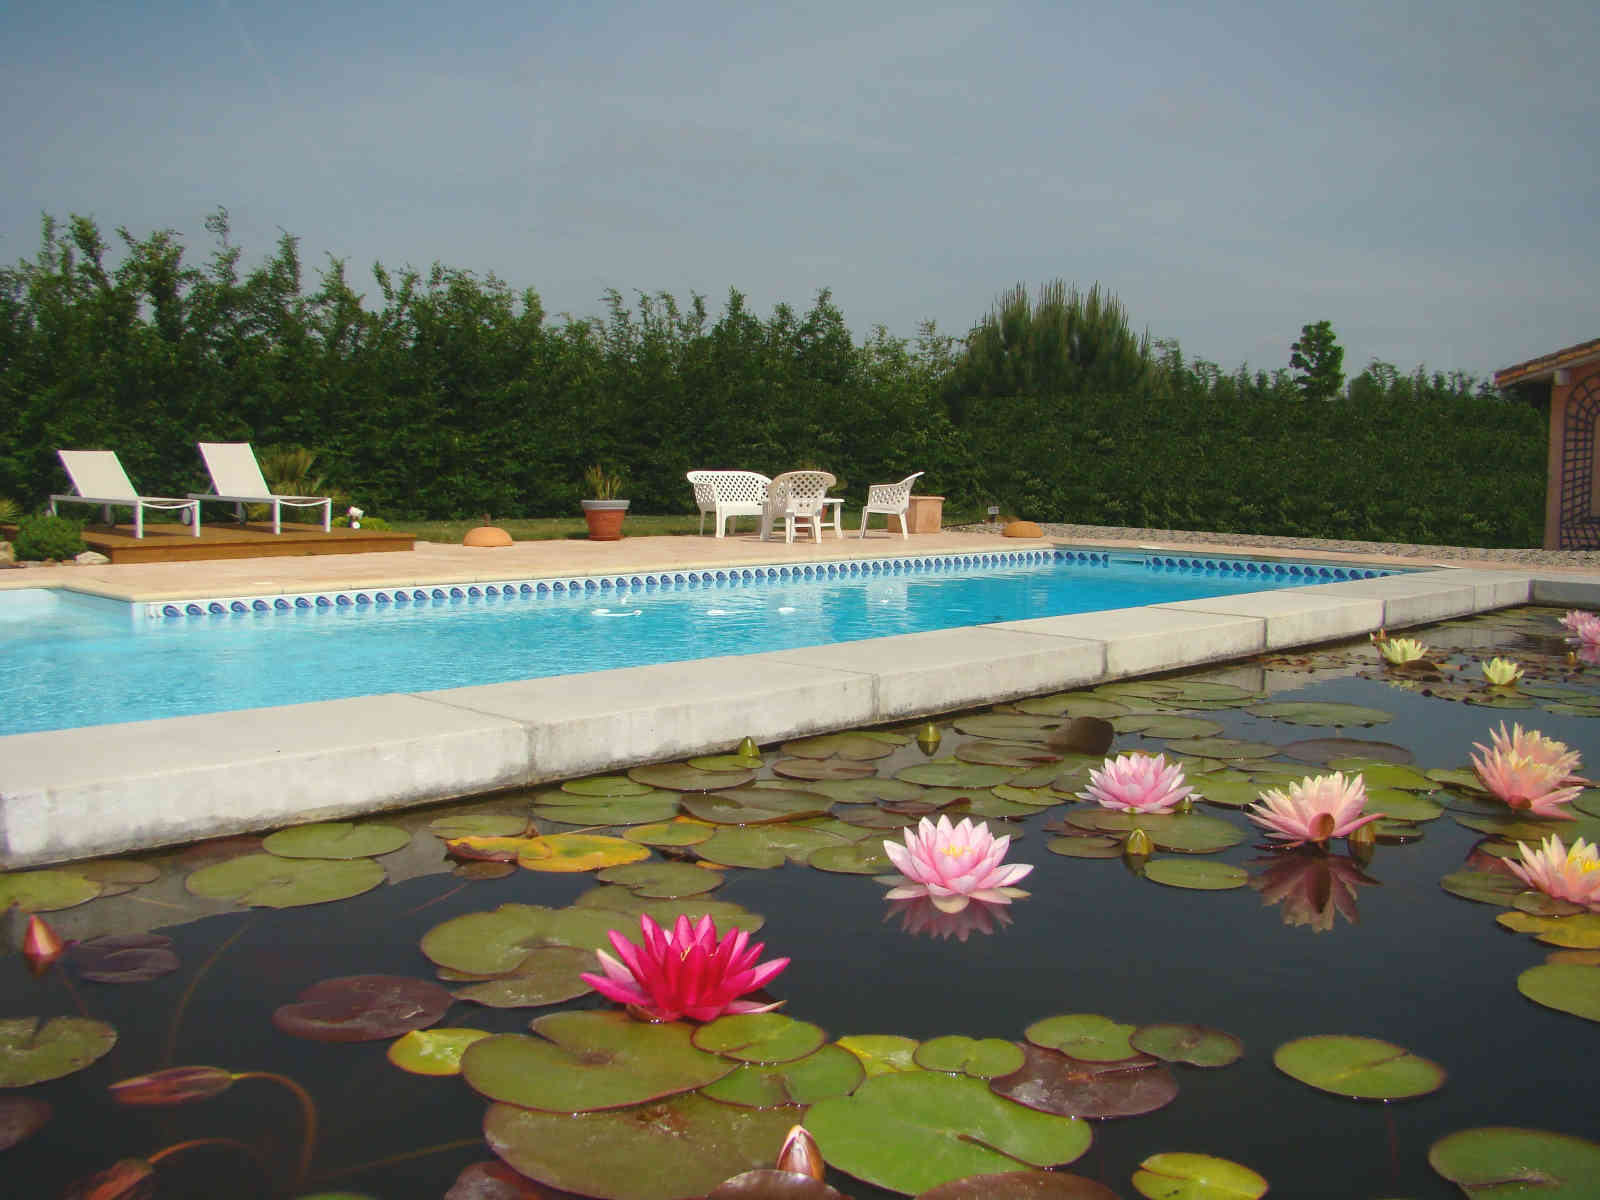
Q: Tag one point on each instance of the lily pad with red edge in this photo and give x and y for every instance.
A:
(1565, 987)
(627, 909)
(1086, 1036)
(756, 806)
(1498, 1160)
(769, 1183)
(1052, 1082)
(21, 1117)
(124, 957)
(981, 1058)
(1194, 1045)
(493, 1181)
(45, 891)
(336, 839)
(828, 1071)
(571, 853)
(681, 777)
(680, 831)
(32, 1052)
(858, 858)
(433, 1051)
(1021, 1185)
(912, 1132)
(666, 1150)
(479, 825)
(363, 1008)
(1484, 887)
(663, 880)
(759, 1037)
(270, 881)
(586, 1061)
(761, 847)
(546, 975)
(1176, 1176)
(606, 810)
(882, 1053)
(118, 875)
(861, 745)
(822, 768)
(1196, 876)
(606, 785)
(1358, 1068)
(948, 772)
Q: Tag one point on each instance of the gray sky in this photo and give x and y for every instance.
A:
(1423, 175)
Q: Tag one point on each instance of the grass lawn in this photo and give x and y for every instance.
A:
(531, 529)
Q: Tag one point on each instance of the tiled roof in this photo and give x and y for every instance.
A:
(1547, 364)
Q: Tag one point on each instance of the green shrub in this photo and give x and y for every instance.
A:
(40, 538)
(10, 511)
(373, 523)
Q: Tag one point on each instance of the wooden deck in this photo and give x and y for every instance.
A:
(177, 543)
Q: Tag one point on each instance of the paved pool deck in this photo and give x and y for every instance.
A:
(81, 793)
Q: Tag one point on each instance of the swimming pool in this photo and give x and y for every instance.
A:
(71, 660)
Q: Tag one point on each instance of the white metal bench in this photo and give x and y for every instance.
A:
(728, 494)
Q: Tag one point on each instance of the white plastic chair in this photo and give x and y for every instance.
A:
(728, 495)
(890, 499)
(796, 498)
(236, 477)
(99, 479)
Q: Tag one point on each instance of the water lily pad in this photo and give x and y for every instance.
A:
(627, 906)
(1540, 905)
(483, 870)
(1359, 1068)
(21, 1117)
(759, 1037)
(269, 881)
(363, 1008)
(606, 810)
(124, 957)
(1310, 712)
(1165, 725)
(681, 777)
(1183, 833)
(829, 1071)
(1196, 1177)
(986, 803)
(479, 825)
(819, 769)
(490, 944)
(755, 806)
(882, 1053)
(1228, 793)
(861, 745)
(1020, 755)
(1021, 1185)
(31, 1052)
(909, 1133)
(1091, 845)
(1007, 726)
(1384, 775)
(869, 817)
(1196, 1045)
(1501, 1161)
(1485, 887)
(981, 1058)
(433, 1051)
(850, 791)
(336, 839)
(1052, 1082)
(1032, 797)
(1581, 932)
(680, 831)
(606, 785)
(1196, 876)
(1086, 1036)
(572, 852)
(663, 880)
(859, 858)
(1072, 704)
(1566, 987)
(118, 875)
(585, 1061)
(762, 847)
(45, 891)
(947, 772)
(498, 848)
(546, 975)
(1223, 747)
(1400, 805)
(683, 1146)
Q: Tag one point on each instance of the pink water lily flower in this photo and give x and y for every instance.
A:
(1584, 625)
(1567, 874)
(953, 865)
(686, 972)
(1137, 783)
(1314, 810)
(1529, 772)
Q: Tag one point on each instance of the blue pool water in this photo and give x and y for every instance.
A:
(68, 660)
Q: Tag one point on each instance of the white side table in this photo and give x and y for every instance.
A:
(829, 517)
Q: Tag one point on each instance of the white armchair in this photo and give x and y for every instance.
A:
(728, 494)
(796, 498)
(890, 499)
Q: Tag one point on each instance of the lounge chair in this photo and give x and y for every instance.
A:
(796, 498)
(728, 495)
(236, 477)
(99, 479)
(891, 499)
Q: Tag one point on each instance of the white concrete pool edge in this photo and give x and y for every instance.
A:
(108, 789)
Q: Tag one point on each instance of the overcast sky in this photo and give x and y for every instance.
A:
(1423, 175)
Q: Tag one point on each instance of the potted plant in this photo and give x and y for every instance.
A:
(604, 512)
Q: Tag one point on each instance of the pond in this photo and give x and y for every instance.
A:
(1347, 942)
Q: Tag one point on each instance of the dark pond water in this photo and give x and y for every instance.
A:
(1416, 966)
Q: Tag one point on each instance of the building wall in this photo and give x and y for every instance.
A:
(1572, 497)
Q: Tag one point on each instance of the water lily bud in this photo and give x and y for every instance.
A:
(1186, 805)
(801, 1155)
(1362, 841)
(749, 749)
(175, 1085)
(928, 738)
(1138, 845)
(41, 945)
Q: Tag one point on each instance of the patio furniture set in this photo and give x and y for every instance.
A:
(798, 501)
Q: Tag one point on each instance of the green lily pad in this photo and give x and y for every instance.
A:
(1094, 845)
(1196, 1177)
(847, 791)
(629, 907)
(1019, 755)
(336, 839)
(1566, 987)
(1307, 712)
(607, 785)
(1223, 747)
(861, 745)
(828, 1071)
(1485, 887)
(1196, 876)
(727, 762)
(683, 1146)
(1007, 726)
(1380, 774)
(1165, 725)
(858, 858)
(1085, 1036)
(546, 975)
(948, 772)
(762, 847)
(759, 1037)
(909, 1133)
(117, 875)
(821, 769)
(1072, 704)
(756, 806)
(1581, 932)
(981, 1058)
(606, 810)
(1180, 833)
(869, 817)
(1540, 905)
(1195, 1045)
(1501, 1161)
(491, 944)
(584, 1061)
(1055, 1083)
(663, 880)
(567, 853)
(1456, 777)
(31, 1053)
(1400, 805)
(1359, 1068)
(1021, 1185)
(1033, 798)
(479, 825)
(681, 777)
(680, 831)
(882, 1053)
(45, 891)
(433, 1051)
(268, 881)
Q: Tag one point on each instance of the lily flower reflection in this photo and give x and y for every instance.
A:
(1529, 772)
(953, 865)
(1311, 888)
(1566, 874)
(1137, 783)
(686, 972)
(920, 918)
(1316, 809)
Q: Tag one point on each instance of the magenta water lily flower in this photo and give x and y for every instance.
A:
(1529, 772)
(1314, 810)
(953, 865)
(1565, 873)
(686, 972)
(1137, 783)
(1583, 625)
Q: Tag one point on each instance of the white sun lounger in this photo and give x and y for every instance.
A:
(99, 479)
(237, 478)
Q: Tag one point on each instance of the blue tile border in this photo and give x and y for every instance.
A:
(370, 600)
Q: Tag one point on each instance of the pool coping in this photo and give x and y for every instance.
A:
(109, 789)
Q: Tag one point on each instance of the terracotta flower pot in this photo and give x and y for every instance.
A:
(605, 519)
